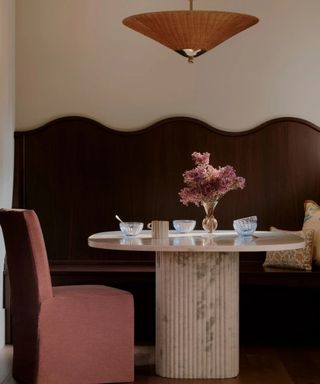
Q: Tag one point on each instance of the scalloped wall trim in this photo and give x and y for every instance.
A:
(162, 122)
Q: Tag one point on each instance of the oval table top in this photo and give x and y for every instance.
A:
(198, 241)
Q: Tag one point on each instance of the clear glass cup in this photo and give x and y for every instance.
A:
(131, 228)
(245, 226)
(184, 226)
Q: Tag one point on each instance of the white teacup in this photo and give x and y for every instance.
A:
(160, 229)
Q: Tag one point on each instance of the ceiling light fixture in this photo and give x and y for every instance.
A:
(190, 33)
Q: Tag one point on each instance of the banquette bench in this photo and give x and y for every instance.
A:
(77, 174)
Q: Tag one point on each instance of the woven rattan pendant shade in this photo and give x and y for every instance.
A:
(190, 33)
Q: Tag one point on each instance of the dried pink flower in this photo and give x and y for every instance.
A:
(201, 158)
(204, 183)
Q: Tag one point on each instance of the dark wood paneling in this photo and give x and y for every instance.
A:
(77, 174)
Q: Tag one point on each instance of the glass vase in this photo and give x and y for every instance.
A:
(210, 223)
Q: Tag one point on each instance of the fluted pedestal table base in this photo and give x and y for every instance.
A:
(197, 315)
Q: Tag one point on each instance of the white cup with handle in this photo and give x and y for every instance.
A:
(160, 229)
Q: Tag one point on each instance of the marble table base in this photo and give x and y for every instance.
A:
(197, 315)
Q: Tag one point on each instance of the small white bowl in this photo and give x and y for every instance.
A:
(245, 226)
(184, 226)
(131, 228)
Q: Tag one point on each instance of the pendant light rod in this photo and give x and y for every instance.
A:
(191, 5)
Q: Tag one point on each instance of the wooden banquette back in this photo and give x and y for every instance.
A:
(77, 174)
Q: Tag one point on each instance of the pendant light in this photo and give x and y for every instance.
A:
(190, 33)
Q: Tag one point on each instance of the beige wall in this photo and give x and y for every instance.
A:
(6, 123)
(75, 57)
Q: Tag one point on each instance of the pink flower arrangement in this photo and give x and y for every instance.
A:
(205, 184)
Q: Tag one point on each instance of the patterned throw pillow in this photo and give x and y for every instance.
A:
(312, 221)
(295, 258)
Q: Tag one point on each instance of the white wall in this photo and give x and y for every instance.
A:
(76, 57)
(6, 123)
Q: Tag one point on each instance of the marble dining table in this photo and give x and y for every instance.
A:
(197, 295)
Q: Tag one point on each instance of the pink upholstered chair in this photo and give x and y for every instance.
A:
(62, 335)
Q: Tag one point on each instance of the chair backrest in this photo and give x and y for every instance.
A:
(30, 282)
(27, 260)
